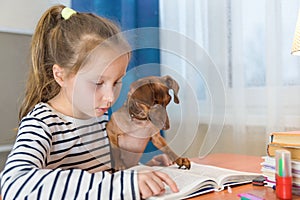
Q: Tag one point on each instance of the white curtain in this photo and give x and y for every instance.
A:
(245, 46)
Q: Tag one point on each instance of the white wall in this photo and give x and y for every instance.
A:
(18, 19)
(23, 15)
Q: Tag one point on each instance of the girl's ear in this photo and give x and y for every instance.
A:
(58, 74)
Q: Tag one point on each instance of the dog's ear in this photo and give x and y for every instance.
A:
(172, 84)
(159, 117)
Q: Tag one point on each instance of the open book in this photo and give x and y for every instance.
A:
(201, 179)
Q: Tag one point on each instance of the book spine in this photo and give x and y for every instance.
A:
(295, 151)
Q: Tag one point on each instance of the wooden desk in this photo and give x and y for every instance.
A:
(237, 162)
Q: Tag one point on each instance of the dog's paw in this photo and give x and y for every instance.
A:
(183, 163)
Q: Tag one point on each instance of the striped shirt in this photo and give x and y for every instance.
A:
(59, 157)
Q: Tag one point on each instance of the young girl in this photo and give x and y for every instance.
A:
(62, 150)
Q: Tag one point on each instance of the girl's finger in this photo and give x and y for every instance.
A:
(145, 190)
(156, 185)
(165, 178)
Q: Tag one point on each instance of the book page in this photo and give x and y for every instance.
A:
(199, 179)
(223, 176)
(187, 183)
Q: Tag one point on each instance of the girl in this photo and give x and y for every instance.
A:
(62, 150)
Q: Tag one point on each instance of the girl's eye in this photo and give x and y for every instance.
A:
(117, 83)
(99, 83)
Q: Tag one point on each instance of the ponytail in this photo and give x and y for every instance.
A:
(41, 85)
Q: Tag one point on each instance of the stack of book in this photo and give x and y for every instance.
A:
(283, 140)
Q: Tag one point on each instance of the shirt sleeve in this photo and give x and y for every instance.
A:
(25, 176)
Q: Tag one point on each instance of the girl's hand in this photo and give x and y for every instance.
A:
(152, 183)
(160, 160)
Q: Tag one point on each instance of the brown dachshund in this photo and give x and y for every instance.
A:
(140, 120)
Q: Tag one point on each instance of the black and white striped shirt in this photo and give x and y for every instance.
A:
(59, 157)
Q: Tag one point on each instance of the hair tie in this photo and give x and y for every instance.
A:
(67, 12)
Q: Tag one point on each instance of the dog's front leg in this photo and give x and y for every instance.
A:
(113, 134)
(160, 143)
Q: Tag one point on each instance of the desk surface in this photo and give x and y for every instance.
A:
(237, 162)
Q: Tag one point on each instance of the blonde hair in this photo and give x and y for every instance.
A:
(65, 42)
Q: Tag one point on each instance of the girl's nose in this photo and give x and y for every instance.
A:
(109, 104)
(108, 97)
